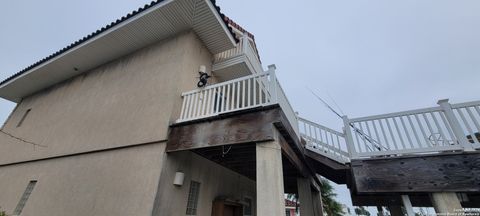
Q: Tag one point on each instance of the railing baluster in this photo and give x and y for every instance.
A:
(214, 101)
(204, 102)
(415, 134)
(439, 128)
(467, 125)
(182, 111)
(472, 117)
(391, 134)
(449, 129)
(384, 134)
(209, 102)
(407, 133)
(429, 126)
(254, 82)
(358, 141)
(227, 99)
(243, 94)
(477, 109)
(260, 89)
(362, 136)
(427, 141)
(249, 89)
(398, 132)
(190, 105)
(379, 141)
(238, 95)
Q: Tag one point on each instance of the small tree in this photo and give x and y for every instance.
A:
(331, 206)
(361, 211)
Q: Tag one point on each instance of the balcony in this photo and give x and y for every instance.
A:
(247, 92)
(240, 61)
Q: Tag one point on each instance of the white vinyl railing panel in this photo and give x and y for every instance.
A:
(256, 90)
(238, 94)
(324, 141)
(468, 115)
(444, 128)
(244, 47)
(231, 53)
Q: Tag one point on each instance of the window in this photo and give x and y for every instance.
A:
(287, 212)
(23, 118)
(247, 208)
(193, 198)
(24, 198)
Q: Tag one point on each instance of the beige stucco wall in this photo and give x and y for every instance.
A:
(215, 181)
(128, 101)
(115, 182)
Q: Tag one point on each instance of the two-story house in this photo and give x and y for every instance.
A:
(121, 122)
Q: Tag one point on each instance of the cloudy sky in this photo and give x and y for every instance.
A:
(369, 56)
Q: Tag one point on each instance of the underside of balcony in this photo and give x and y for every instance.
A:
(232, 68)
(243, 60)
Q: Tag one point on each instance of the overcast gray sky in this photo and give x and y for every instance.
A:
(371, 56)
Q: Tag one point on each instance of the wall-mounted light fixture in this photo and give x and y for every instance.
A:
(179, 177)
(203, 76)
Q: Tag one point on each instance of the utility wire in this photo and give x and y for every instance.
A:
(325, 103)
(20, 139)
(358, 131)
(334, 102)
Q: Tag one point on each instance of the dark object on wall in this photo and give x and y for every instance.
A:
(203, 79)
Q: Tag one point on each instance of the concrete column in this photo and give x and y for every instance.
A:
(407, 205)
(305, 197)
(395, 210)
(446, 202)
(270, 193)
(317, 203)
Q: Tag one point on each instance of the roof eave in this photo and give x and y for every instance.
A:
(68, 62)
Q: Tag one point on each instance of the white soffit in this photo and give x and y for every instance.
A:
(164, 19)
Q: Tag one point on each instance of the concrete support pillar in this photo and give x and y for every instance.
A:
(395, 210)
(270, 193)
(317, 203)
(446, 202)
(407, 205)
(305, 197)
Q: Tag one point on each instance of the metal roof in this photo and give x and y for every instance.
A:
(153, 22)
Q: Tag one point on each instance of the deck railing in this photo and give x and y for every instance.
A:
(244, 47)
(448, 127)
(324, 141)
(430, 130)
(256, 90)
(469, 114)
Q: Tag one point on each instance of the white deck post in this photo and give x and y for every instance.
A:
(349, 137)
(455, 124)
(244, 42)
(407, 205)
(446, 203)
(273, 83)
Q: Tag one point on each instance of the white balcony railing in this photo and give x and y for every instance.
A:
(448, 127)
(245, 48)
(256, 90)
(324, 141)
(431, 130)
